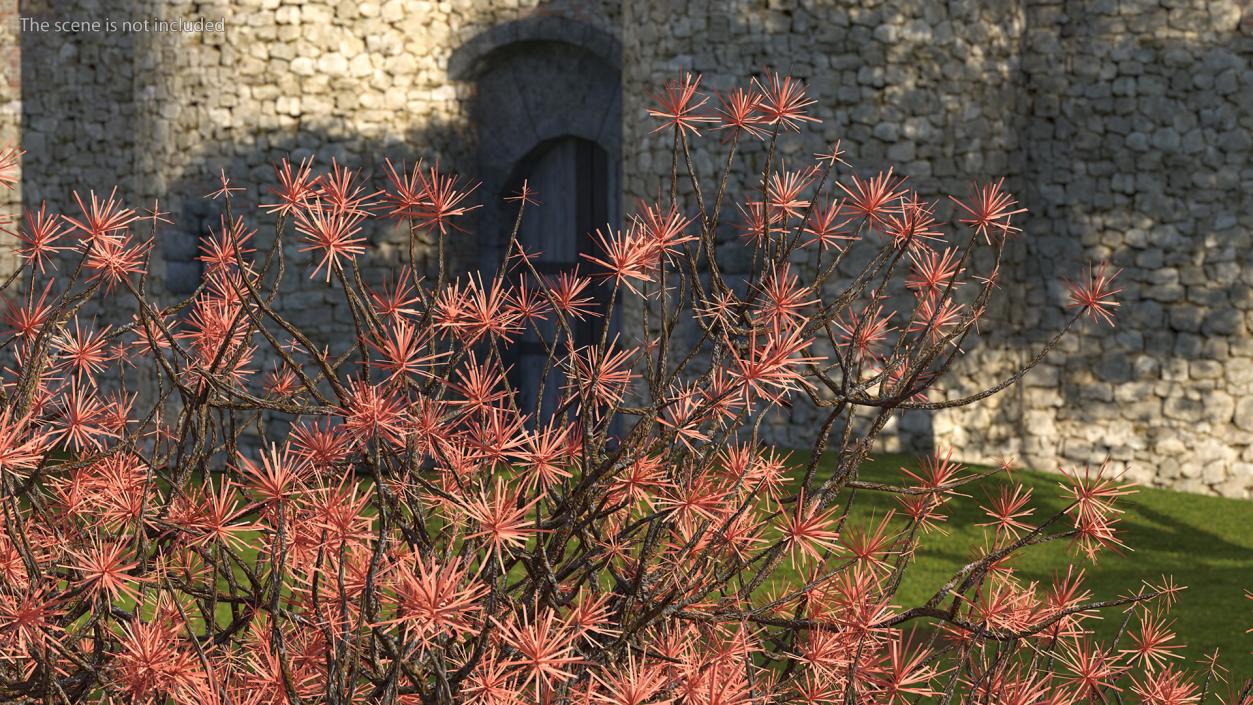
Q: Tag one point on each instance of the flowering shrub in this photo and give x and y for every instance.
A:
(284, 523)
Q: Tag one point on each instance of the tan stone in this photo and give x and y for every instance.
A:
(348, 78)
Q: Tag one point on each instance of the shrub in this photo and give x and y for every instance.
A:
(383, 522)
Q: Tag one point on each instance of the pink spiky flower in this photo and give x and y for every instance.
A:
(435, 599)
(990, 211)
(544, 649)
(635, 684)
(102, 218)
(279, 477)
(10, 163)
(30, 622)
(296, 187)
(1167, 687)
(679, 104)
(104, 569)
(1153, 643)
(933, 271)
(83, 352)
(741, 114)
(873, 198)
(783, 101)
(502, 519)
(21, 445)
(39, 237)
(808, 531)
(226, 247)
(441, 200)
(151, 663)
(331, 233)
(374, 412)
(907, 672)
(1094, 293)
(113, 259)
(1091, 668)
(1008, 509)
(626, 258)
(343, 192)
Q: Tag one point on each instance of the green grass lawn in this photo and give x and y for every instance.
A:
(1205, 543)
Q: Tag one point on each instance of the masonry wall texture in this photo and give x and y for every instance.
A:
(10, 119)
(1125, 126)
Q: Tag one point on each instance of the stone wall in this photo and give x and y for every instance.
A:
(160, 114)
(10, 122)
(1140, 152)
(933, 92)
(1124, 126)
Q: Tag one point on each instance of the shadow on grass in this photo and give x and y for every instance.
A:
(1202, 542)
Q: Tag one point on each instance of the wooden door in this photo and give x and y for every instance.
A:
(571, 178)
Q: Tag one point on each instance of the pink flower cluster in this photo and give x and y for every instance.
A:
(276, 521)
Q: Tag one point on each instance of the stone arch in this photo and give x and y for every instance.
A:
(575, 173)
(544, 88)
(472, 58)
(531, 92)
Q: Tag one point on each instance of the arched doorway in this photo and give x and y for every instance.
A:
(548, 109)
(577, 184)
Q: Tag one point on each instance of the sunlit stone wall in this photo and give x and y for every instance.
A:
(1123, 126)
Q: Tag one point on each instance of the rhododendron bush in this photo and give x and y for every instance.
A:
(385, 521)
